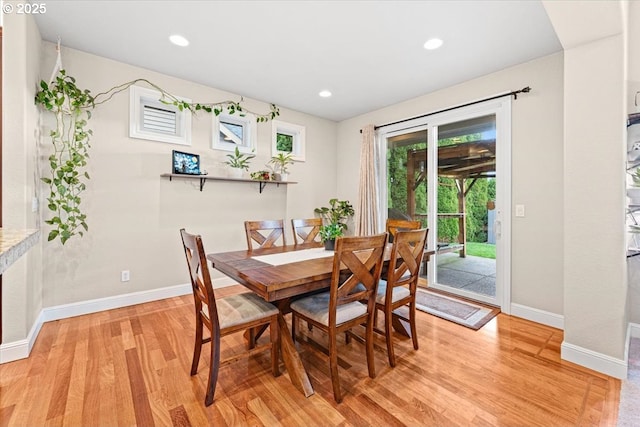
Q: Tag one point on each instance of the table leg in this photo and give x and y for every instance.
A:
(292, 361)
(398, 326)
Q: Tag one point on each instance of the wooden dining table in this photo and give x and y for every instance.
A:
(278, 274)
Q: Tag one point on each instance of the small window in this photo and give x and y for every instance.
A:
(288, 138)
(153, 120)
(230, 132)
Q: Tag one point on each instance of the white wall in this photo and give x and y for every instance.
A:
(536, 168)
(134, 215)
(22, 282)
(633, 89)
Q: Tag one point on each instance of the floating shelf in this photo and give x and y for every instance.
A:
(204, 178)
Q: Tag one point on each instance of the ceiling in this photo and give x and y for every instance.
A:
(369, 54)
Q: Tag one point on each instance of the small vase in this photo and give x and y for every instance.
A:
(330, 245)
(235, 173)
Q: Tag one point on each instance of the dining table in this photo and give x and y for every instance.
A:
(278, 274)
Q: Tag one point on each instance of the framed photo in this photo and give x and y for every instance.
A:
(185, 163)
(289, 139)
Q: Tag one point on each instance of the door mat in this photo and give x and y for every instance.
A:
(463, 312)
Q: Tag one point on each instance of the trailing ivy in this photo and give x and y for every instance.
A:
(72, 107)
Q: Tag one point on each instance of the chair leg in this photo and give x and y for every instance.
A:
(197, 347)
(412, 323)
(213, 369)
(294, 322)
(333, 366)
(369, 335)
(388, 332)
(275, 346)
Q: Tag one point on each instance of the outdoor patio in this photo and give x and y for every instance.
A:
(472, 273)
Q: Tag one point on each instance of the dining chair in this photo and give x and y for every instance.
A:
(357, 263)
(399, 288)
(393, 225)
(254, 229)
(224, 316)
(306, 230)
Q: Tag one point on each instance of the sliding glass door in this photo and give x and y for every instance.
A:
(452, 173)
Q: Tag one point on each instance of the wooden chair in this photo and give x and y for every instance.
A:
(400, 287)
(340, 309)
(393, 225)
(254, 228)
(306, 230)
(224, 316)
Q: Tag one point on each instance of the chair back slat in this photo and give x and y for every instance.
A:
(406, 257)
(203, 294)
(306, 230)
(256, 232)
(393, 225)
(362, 257)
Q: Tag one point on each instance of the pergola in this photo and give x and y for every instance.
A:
(460, 162)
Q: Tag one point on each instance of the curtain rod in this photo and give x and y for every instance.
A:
(512, 93)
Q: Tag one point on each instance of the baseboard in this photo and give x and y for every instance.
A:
(608, 365)
(634, 330)
(22, 348)
(538, 316)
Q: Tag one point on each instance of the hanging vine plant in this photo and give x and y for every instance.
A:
(72, 107)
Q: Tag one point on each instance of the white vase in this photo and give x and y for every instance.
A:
(235, 173)
(634, 195)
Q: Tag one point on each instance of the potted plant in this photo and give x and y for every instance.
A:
(334, 220)
(238, 162)
(280, 165)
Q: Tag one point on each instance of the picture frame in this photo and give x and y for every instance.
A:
(288, 138)
(185, 163)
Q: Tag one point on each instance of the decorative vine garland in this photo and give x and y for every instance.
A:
(72, 107)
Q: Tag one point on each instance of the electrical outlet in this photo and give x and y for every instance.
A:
(520, 210)
(34, 204)
(124, 276)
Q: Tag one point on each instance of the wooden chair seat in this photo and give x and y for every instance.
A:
(224, 316)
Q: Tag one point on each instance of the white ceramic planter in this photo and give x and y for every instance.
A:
(235, 173)
(633, 193)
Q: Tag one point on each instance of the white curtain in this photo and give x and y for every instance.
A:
(367, 208)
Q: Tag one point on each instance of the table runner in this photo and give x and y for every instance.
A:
(294, 256)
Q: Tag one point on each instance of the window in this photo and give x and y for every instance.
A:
(153, 120)
(288, 138)
(231, 131)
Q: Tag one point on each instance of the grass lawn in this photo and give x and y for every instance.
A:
(484, 250)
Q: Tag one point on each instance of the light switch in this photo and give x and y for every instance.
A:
(520, 210)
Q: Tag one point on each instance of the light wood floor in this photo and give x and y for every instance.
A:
(130, 366)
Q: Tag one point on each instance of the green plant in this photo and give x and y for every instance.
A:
(72, 107)
(338, 213)
(635, 176)
(263, 175)
(239, 160)
(70, 140)
(330, 231)
(281, 161)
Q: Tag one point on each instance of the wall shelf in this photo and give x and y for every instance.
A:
(204, 178)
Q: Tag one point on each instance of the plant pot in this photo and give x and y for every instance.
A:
(330, 245)
(235, 173)
(634, 195)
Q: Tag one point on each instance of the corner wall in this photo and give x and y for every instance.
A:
(22, 282)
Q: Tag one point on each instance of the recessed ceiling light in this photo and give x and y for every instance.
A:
(325, 93)
(433, 44)
(178, 40)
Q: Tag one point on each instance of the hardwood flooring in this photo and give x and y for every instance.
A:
(130, 366)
